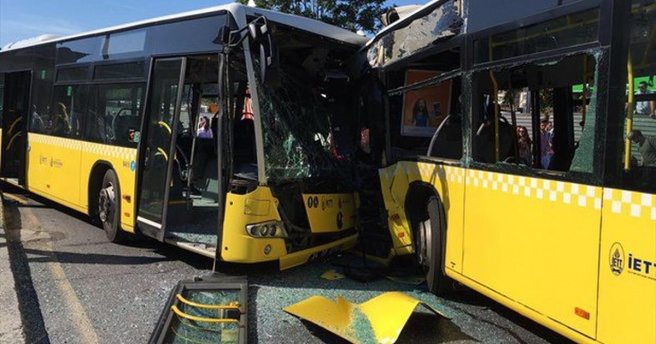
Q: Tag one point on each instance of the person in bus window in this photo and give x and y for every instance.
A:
(645, 107)
(646, 147)
(36, 123)
(420, 113)
(204, 131)
(546, 136)
(524, 146)
(61, 124)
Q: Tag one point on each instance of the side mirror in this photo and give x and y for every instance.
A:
(223, 36)
(262, 45)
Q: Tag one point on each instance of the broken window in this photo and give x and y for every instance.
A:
(536, 115)
(296, 121)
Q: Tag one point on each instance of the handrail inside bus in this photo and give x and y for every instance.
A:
(495, 102)
(184, 315)
(437, 133)
(629, 115)
(13, 124)
(231, 305)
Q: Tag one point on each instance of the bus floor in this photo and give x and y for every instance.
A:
(197, 225)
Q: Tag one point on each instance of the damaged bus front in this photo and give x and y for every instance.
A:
(278, 185)
(294, 197)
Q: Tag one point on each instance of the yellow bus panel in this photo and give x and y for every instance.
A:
(60, 169)
(627, 268)
(330, 212)
(535, 241)
(59, 166)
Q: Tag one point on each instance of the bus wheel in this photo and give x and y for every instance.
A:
(109, 207)
(429, 247)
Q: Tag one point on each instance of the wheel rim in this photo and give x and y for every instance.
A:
(425, 245)
(106, 204)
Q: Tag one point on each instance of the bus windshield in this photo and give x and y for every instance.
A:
(306, 112)
(298, 130)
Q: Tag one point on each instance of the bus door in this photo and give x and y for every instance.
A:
(157, 150)
(16, 99)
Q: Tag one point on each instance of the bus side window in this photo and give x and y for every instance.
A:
(67, 114)
(115, 116)
(543, 114)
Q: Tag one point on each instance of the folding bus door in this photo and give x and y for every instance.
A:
(157, 151)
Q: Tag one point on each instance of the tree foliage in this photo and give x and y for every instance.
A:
(350, 14)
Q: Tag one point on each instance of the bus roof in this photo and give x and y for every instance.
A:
(302, 23)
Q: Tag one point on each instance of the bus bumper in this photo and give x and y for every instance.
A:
(259, 250)
(301, 257)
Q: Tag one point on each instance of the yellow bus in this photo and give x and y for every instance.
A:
(213, 130)
(520, 156)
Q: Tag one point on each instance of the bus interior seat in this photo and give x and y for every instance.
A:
(484, 142)
(449, 141)
(122, 125)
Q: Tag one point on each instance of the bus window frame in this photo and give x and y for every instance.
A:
(458, 42)
(616, 97)
(589, 178)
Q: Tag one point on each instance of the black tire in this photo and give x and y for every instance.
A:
(109, 208)
(429, 248)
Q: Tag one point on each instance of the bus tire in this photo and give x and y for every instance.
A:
(430, 247)
(109, 207)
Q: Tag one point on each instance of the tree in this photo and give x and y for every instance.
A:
(350, 14)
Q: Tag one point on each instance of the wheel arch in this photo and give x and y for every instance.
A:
(98, 171)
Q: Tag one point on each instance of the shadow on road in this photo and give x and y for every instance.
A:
(34, 328)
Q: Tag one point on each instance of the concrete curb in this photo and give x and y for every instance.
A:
(11, 326)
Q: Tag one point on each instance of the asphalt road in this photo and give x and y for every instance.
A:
(73, 286)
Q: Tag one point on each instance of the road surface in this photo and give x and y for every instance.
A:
(73, 286)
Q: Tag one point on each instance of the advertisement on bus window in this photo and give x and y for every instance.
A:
(426, 108)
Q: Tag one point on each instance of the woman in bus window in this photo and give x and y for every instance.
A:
(524, 146)
(420, 113)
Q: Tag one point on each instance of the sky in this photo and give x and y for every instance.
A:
(21, 19)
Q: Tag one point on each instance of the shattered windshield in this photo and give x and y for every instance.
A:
(296, 121)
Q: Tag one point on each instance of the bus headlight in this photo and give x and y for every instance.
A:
(270, 229)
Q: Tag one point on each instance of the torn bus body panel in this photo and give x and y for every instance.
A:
(379, 320)
(442, 22)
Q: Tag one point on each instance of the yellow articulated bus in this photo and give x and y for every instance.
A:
(520, 156)
(213, 130)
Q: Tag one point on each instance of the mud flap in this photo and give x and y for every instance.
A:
(380, 319)
(211, 309)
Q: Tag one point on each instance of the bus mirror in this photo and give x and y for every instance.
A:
(224, 36)
(262, 43)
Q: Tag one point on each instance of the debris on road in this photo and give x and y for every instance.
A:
(212, 309)
(379, 320)
(332, 275)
